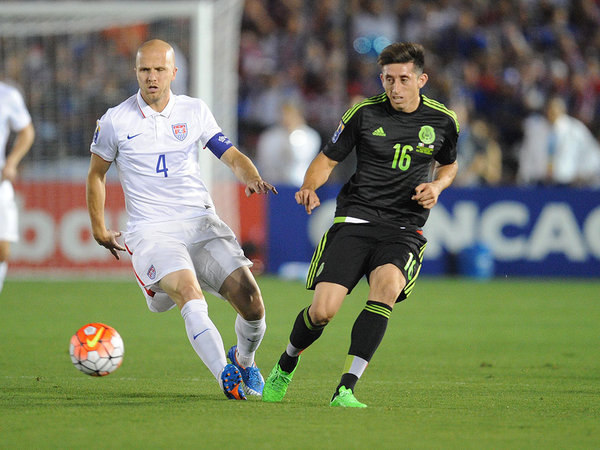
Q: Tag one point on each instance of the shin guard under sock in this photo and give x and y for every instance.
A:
(367, 333)
(303, 334)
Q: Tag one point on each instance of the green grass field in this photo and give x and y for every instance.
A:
(464, 364)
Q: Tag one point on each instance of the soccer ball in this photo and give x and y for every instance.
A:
(96, 349)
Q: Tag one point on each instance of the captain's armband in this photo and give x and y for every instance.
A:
(219, 144)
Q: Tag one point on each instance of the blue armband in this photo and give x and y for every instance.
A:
(219, 144)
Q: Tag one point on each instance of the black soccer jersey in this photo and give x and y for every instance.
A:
(395, 152)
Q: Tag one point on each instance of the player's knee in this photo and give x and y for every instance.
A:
(255, 308)
(387, 292)
(386, 284)
(251, 307)
(181, 286)
(320, 315)
(243, 292)
(186, 292)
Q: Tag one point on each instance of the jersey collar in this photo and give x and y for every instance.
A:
(147, 111)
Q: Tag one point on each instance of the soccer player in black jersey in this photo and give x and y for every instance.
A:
(399, 137)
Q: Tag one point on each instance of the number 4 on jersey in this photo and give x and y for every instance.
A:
(161, 165)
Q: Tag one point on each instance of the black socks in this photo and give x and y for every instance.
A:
(367, 333)
(303, 334)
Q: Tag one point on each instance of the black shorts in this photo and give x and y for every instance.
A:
(348, 251)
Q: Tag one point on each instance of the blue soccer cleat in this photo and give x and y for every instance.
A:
(251, 376)
(232, 383)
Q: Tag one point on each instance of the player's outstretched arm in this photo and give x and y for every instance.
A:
(316, 175)
(22, 144)
(245, 171)
(96, 197)
(426, 194)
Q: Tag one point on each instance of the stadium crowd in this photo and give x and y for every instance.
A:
(496, 63)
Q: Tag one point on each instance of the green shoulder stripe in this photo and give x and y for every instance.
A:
(369, 101)
(441, 107)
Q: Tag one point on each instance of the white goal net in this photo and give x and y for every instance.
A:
(72, 61)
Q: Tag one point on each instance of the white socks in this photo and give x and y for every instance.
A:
(204, 336)
(3, 268)
(207, 341)
(249, 335)
(292, 351)
(355, 365)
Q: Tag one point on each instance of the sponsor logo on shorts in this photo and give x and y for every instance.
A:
(321, 267)
(152, 272)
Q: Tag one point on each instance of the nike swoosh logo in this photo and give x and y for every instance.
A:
(131, 137)
(92, 343)
(196, 335)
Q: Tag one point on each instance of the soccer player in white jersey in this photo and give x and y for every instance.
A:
(178, 245)
(15, 118)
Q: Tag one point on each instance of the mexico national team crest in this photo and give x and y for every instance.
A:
(427, 135)
(152, 272)
(180, 130)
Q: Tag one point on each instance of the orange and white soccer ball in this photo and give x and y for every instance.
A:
(97, 349)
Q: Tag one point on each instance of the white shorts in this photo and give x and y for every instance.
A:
(205, 245)
(9, 223)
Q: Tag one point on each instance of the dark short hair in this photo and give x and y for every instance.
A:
(403, 52)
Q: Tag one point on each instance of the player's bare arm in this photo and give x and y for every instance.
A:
(246, 172)
(96, 197)
(316, 175)
(23, 142)
(426, 194)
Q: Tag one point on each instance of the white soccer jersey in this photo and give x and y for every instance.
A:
(156, 155)
(13, 116)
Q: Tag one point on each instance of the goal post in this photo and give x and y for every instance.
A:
(214, 36)
(72, 60)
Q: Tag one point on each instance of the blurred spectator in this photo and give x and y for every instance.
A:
(573, 152)
(127, 39)
(373, 27)
(479, 154)
(284, 151)
(533, 149)
(491, 56)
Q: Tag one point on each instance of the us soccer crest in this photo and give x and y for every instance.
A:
(180, 131)
(152, 272)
